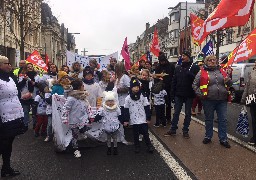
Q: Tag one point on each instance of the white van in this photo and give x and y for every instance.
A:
(239, 77)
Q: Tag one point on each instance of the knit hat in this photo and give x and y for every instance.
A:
(87, 70)
(61, 74)
(187, 53)
(109, 95)
(134, 82)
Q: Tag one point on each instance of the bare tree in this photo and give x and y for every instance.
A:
(22, 19)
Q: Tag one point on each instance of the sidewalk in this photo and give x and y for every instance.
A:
(211, 161)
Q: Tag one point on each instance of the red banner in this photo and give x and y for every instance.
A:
(229, 13)
(37, 61)
(196, 25)
(154, 48)
(244, 51)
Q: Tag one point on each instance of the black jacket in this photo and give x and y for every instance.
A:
(168, 69)
(182, 81)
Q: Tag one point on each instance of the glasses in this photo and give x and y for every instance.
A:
(211, 60)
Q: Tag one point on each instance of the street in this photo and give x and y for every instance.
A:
(37, 159)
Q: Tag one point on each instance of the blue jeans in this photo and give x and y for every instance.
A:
(220, 107)
(177, 109)
(26, 109)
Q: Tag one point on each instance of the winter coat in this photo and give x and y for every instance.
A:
(11, 112)
(75, 111)
(168, 69)
(183, 79)
(250, 86)
(216, 86)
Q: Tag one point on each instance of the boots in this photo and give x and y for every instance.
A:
(115, 152)
(109, 151)
(9, 172)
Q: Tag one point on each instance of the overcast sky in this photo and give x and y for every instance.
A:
(104, 24)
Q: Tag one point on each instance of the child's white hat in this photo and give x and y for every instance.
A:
(109, 95)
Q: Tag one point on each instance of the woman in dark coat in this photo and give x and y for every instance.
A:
(11, 116)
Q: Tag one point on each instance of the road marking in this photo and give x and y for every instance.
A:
(179, 172)
(233, 138)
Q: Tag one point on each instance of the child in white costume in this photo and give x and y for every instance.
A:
(75, 113)
(110, 114)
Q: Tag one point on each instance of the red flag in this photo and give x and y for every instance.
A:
(46, 59)
(37, 61)
(144, 57)
(126, 56)
(196, 25)
(244, 51)
(228, 13)
(154, 48)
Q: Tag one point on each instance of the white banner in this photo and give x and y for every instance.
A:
(84, 60)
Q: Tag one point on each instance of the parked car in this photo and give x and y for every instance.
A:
(239, 77)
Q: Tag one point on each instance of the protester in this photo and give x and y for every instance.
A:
(95, 68)
(211, 85)
(26, 88)
(159, 103)
(250, 88)
(76, 71)
(107, 82)
(137, 110)
(65, 68)
(145, 80)
(40, 104)
(165, 70)
(122, 85)
(93, 88)
(18, 70)
(110, 114)
(182, 92)
(111, 66)
(142, 63)
(75, 113)
(11, 116)
(50, 76)
(134, 71)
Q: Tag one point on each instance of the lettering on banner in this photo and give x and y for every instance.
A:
(242, 51)
(246, 9)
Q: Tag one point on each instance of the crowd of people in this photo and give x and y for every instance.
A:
(123, 98)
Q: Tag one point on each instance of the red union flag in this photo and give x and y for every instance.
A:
(196, 25)
(154, 48)
(228, 13)
(37, 61)
(244, 51)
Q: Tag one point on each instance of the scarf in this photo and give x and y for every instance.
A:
(88, 82)
(31, 75)
(4, 76)
(52, 73)
(135, 96)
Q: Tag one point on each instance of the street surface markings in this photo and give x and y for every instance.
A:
(233, 138)
(176, 168)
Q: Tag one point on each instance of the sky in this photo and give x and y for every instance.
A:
(104, 24)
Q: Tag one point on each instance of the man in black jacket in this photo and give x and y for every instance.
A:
(182, 92)
(165, 67)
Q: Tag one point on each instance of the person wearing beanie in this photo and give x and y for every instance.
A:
(93, 88)
(183, 93)
(137, 110)
(110, 114)
(167, 68)
(57, 87)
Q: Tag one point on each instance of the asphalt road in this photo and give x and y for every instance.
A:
(36, 159)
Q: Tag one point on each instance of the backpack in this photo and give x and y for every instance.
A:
(157, 87)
